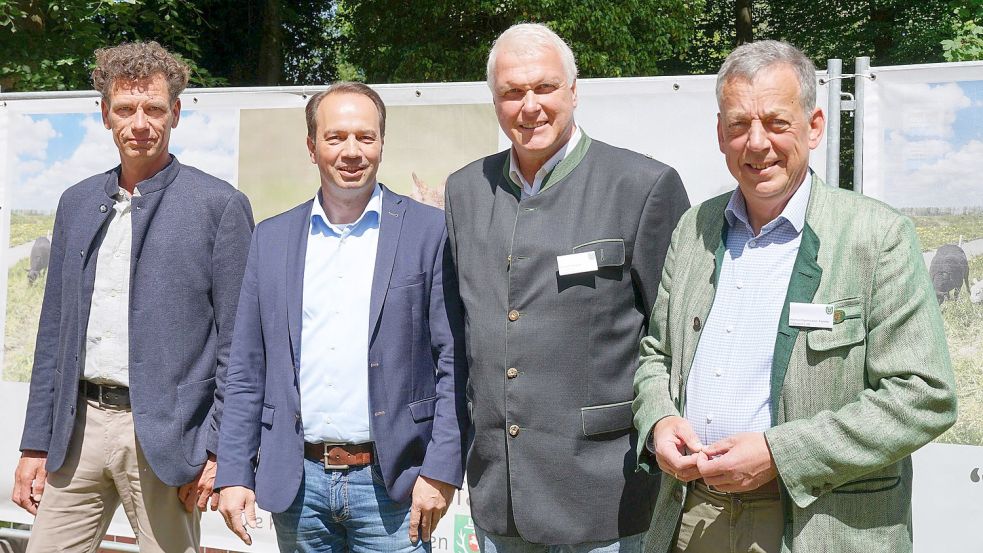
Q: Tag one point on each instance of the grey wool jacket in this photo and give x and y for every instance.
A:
(552, 357)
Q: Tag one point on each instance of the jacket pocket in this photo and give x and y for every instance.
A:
(424, 409)
(610, 252)
(849, 327)
(869, 485)
(399, 281)
(602, 419)
(194, 401)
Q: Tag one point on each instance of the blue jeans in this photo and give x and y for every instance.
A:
(344, 511)
(489, 543)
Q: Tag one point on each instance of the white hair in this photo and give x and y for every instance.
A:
(527, 37)
(747, 60)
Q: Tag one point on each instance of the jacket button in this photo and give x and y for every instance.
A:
(677, 494)
(514, 430)
(512, 372)
(513, 315)
(297, 416)
(697, 325)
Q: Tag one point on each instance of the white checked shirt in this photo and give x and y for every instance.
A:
(107, 337)
(729, 386)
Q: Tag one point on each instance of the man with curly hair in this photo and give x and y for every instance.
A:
(146, 264)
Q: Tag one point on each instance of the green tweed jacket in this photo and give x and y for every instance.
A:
(849, 405)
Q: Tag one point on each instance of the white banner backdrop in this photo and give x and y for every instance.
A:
(923, 154)
(255, 140)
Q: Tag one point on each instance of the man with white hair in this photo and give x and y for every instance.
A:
(795, 355)
(559, 242)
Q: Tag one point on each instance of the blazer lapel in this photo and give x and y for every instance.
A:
(294, 278)
(95, 213)
(802, 286)
(390, 224)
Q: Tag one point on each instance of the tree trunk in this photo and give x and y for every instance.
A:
(742, 17)
(270, 70)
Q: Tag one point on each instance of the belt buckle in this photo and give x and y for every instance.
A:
(327, 464)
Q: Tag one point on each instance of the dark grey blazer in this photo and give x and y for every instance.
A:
(566, 471)
(191, 235)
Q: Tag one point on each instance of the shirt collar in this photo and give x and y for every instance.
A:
(370, 215)
(794, 212)
(532, 188)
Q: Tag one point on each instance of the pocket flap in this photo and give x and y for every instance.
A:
(610, 252)
(267, 416)
(848, 327)
(601, 419)
(424, 409)
(399, 281)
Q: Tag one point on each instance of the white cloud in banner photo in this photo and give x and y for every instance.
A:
(207, 140)
(935, 143)
(30, 137)
(38, 186)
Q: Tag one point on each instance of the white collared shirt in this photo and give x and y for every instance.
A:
(334, 343)
(537, 182)
(107, 336)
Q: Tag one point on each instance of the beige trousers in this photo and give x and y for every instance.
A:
(713, 522)
(105, 466)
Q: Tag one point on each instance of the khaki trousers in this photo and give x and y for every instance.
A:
(105, 466)
(715, 522)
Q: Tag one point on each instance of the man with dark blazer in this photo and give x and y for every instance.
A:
(145, 268)
(559, 244)
(344, 411)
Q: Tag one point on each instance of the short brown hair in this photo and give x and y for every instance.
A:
(132, 61)
(344, 87)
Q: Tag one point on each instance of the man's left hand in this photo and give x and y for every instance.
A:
(198, 491)
(739, 463)
(430, 501)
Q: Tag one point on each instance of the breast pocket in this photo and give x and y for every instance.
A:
(849, 329)
(609, 252)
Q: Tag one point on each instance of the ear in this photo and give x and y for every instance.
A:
(177, 113)
(817, 127)
(573, 90)
(720, 134)
(310, 149)
(104, 106)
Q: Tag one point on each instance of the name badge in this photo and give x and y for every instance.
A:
(810, 315)
(575, 263)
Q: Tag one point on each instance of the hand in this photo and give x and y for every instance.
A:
(430, 501)
(233, 502)
(199, 490)
(677, 448)
(739, 463)
(29, 480)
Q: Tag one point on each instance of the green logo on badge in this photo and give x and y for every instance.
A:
(465, 541)
(829, 309)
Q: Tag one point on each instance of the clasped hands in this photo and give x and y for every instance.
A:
(738, 463)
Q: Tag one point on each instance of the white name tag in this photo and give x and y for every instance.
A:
(576, 263)
(810, 315)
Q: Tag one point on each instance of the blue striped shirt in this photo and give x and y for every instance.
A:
(728, 389)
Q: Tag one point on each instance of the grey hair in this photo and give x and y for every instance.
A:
(531, 37)
(747, 60)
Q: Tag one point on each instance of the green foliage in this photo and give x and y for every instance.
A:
(21, 328)
(48, 44)
(966, 42)
(26, 227)
(448, 40)
(936, 230)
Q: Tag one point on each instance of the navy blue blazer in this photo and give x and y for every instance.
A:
(190, 238)
(416, 362)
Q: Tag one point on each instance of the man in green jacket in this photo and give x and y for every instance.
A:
(796, 355)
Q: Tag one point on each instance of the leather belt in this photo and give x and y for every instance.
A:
(339, 456)
(770, 487)
(107, 396)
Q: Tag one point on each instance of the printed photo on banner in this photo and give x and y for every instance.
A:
(49, 152)
(934, 133)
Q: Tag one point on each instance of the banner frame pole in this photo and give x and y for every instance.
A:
(861, 69)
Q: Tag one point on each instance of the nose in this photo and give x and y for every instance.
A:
(139, 120)
(757, 137)
(530, 102)
(350, 147)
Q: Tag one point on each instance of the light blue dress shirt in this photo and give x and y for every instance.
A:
(729, 386)
(338, 270)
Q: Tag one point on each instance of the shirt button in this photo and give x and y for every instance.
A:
(718, 372)
(709, 419)
(512, 372)
(514, 430)
(730, 328)
(753, 243)
(740, 285)
(327, 420)
(513, 315)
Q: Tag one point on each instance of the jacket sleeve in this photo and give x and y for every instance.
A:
(228, 263)
(653, 401)
(40, 408)
(910, 395)
(447, 451)
(244, 384)
(665, 204)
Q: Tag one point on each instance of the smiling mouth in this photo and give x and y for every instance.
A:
(350, 171)
(532, 126)
(761, 166)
